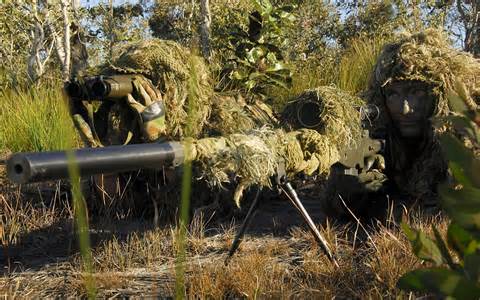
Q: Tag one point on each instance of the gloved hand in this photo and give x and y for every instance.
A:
(372, 178)
(149, 105)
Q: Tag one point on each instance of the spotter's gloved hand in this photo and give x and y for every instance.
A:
(147, 102)
(79, 114)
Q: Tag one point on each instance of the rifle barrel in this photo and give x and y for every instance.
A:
(42, 166)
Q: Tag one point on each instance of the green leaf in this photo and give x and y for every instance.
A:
(237, 75)
(462, 160)
(459, 239)
(464, 124)
(423, 247)
(472, 266)
(256, 75)
(462, 205)
(440, 281)
(277, 67)
(263, 6)
(443, 249)
(250, 84)
(456, 102)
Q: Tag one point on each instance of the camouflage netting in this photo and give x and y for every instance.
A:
(177, 73)
(232, 114)
(427, 57)
(252, 159)
(338, 117)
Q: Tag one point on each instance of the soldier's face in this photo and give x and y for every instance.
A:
(410, 104)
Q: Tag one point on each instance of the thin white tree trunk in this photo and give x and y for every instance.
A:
(66, 40)
(205, 22)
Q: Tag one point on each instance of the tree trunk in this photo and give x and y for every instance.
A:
(36, 61)
(66, 40)
(205, 28)
(471, 24)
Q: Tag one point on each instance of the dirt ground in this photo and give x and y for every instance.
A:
(278, 258)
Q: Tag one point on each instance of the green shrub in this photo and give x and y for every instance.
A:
(450, 277)
(36, 119)
(257, 61)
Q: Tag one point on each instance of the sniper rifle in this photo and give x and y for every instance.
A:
(43, 166)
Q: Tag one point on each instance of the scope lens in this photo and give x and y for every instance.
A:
(309, 114)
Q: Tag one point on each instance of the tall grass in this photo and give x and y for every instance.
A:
(35, 120)
(348, 69)
(193, 90)
(356, 64)
(81, 222)
(306, 75)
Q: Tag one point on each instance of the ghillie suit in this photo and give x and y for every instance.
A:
(254, 158)
(177, 73)
(329, 111)
(192, 109)
(425, 57)
(248, 154)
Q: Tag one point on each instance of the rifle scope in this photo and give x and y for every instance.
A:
(309, 112)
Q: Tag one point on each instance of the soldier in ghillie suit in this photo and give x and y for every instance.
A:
(173, 99)
(415, 84)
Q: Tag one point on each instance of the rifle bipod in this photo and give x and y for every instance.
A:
(295, 200)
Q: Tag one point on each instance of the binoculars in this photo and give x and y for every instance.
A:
(101, 87)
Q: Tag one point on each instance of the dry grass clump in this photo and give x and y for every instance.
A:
(136, 250)
(62, 283)
(174, 70)
(254, 275)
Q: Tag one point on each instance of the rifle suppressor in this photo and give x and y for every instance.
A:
(42, 166)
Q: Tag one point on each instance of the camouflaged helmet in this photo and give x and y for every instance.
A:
(427, 57)
(177, 73)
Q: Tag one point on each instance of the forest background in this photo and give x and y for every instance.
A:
(44, 42)
(325, 42)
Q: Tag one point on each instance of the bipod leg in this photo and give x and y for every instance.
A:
(245, 224)
(293, 197)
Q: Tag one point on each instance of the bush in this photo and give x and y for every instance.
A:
(450, 277)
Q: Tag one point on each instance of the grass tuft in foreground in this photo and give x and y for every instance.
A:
(35, 120)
